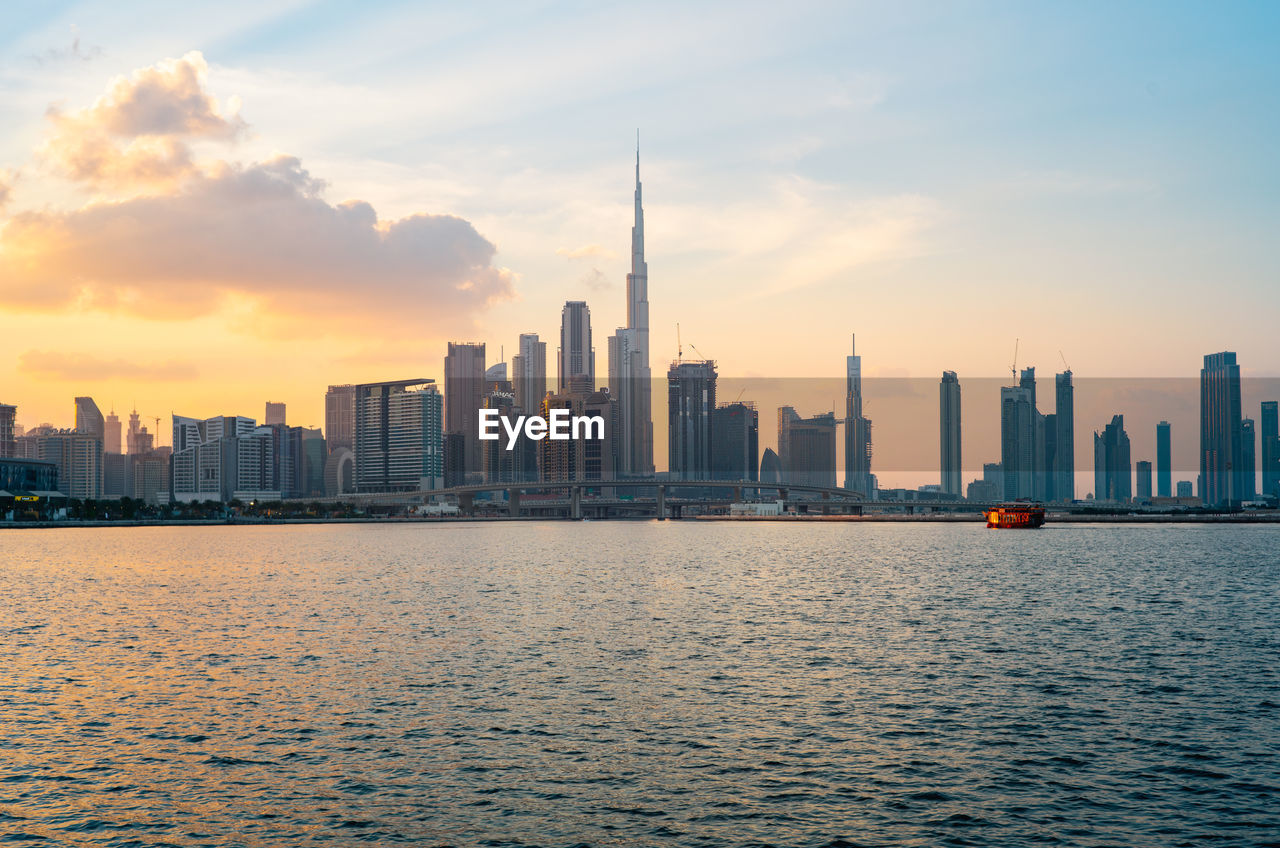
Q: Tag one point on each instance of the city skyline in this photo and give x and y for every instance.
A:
(762, 222)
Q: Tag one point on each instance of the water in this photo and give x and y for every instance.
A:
(677, 683)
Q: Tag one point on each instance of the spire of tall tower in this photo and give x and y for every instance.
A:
(638, 279)
(629, 375)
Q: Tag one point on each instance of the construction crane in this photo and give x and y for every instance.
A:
(1064, 361)
(1013, 369)
(679, 346)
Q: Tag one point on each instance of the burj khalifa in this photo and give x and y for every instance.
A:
(630, 380)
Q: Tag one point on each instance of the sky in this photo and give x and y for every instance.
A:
(205, 208)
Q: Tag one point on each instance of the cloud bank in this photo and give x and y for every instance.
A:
(60, 365)
(169, 236)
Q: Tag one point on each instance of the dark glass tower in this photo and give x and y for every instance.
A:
(949, 431)
(1270, 432)
(1221, 435)
(1164, 461)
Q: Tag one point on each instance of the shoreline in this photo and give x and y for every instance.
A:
(939, 518)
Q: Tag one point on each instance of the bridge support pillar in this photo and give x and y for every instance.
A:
(575, 502)
(513, 503)
(826, 507)
(737, 494)
(662, 503)
(466, 503)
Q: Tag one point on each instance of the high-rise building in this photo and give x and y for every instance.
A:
(1221, 439)
(262, 465)
(150, 475)
(586, 458)
(857, 428)
(274, 413)
(1112, 470)
(1248, 460)
(8, 438)
(807, 448)
(1185, 489)
(131, 434)
(1017, 442)
(577, 357)
(463, 397)
(340, 417)
(117, 476)
(735, 441)
(455, 460)
(505, 462)
(1270, 433)
(630, 379)
(1142, 470)
(949, 430)
(1064, 441)
(1164, 460)
(89, 419)
(78, 455)
(1042, 462)
(206, 455)
(111, 442)
(691, 399)
(399, 436)
(311, 453)
(529, 377)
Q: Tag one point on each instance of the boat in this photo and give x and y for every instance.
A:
(1015, 515)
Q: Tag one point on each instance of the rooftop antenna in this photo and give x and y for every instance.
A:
(679, 346)
(1014, 367)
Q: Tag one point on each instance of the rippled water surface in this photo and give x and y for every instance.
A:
(677, 683)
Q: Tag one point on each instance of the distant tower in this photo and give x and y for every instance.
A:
(1142, 471)
(949, 429)
(463, 398)
(1221, 436)
(1017, 442)
(577, 359)
(857, 428)
(131, 437)
(691, 400)
(1248, 460)
(630, 380)
(1112, 470)
(340, 419)
(1164, 461)
(529, 373)
(89, 418)
(275, 413)
(111, 441)
(1270, 433)
(8, 439)
(1064, 442)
